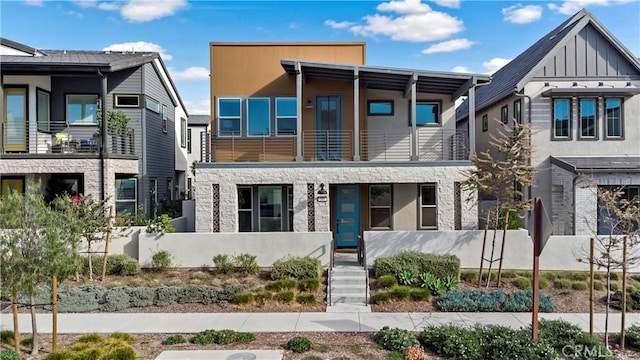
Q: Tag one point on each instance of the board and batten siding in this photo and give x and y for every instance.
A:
(128, 81)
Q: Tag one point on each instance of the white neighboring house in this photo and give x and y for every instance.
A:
(197, 135)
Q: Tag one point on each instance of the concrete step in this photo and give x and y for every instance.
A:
(348, 272)
(347, 289)
(349, 299)
(355, 282)
(348, 308)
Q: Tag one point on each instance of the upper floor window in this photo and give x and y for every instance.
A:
(165, 118)
(614, 120)
(504, 114)
(380, 107)
(188, 141)
(183, 132)
(427, 113)
(588, 119)
(152, 104)
(286, 116)
(43, 109)
(485, 123)
(82, 109)
(258, 117)
(124, 100)
(229, 116)
(517, 111)
(562, 118)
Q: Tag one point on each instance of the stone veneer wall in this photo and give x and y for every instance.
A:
(230, 177)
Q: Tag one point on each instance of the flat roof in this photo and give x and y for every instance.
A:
(598, 164)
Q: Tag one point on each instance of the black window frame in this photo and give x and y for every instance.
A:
(485, 123)
(380, 101)
(118, 96)
(504, 114)
(569, 136)
(517, 111)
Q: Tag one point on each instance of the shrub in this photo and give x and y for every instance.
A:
(263, 296)
(27, 342)
(420, 294)
(224, 337)
(598, 285)
(414, 352)
(199, 275)
(615, 276)
(173, 340)
(562, 284)
(396, 355)
(306, 299)
(309, 284)
(7, 337)
(117, 264)
(274, 285)
(161, 261)
(299, 344)
(395, 339)
(246, 263)
(223, 264)
(91, 338)
(469, 275)
(405, 277)
(559, 333)
(599, 275)
(509, 274)
(381, 297)
(550, 275)
(243, 298)
(417, 263)
(580, 276)
(204, 337)
(479, 300)
(579, 285)
(285, 296)
(83, 298)
(543, 282)
(296, 267)
(160, 225)
(633, 300)
(140, 297)
(126, 337)
(400, 292)
(289, 284)
(386, 282)
(115, 299)
(632, 336)
(614, 286)
(166, 295)
(245, 337)
(493, 276)
(525, 273)
(7, 354)
(522, 283)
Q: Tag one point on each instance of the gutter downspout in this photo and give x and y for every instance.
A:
(471, 114)
(103, 131)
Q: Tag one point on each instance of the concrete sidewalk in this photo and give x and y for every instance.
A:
(289, 322)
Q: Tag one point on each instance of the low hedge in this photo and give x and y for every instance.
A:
(440, 266)
(482, 301)
(118, 264)
(296, 267)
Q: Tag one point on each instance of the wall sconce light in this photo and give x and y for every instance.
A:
(601, 84)
(575, 84)
(308, 104)
(322, 193)
(550, 85)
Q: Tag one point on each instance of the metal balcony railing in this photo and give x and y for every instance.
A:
(327, 145)
(436, 144)
(385, 145)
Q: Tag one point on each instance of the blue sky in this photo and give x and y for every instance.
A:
(446, 35)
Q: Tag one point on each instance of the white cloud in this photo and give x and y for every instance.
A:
(519, 14)
(338, 25)
(198, 107)
(86, 3)
(140, 46)
(34, 2)
(449, 46)
(404, 7)
(495, 64)
(148, 10)
(455, 4)
(460, 69)
(109, 6)
(76, 14)
(192, 73)
(570, 7)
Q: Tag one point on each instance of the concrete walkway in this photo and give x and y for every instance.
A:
(289, 322)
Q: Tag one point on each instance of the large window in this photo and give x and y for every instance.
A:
(82, 109)
(380, 107)
(517, 111)
(608, 221)
(258, 117)
(165, 118)
(428, 207)
(504, 114)
(265, 208)
(229, 117)
(614, 121)
(380, 206)
(183, 132)
(286, 116)
(43, 109)
(125, 194)
(562, 118)
(588, 119)
(427, 113)
(270, 201)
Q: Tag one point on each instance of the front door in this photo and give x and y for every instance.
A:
(328, 126)
(15, 119)
(9, 184)
(347, 215)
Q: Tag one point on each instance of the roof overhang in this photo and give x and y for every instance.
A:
(598, 164)
(600, 91)
(392, 79)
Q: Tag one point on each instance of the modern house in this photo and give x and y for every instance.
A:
(305, 137)
(198, 141)
(579, 88)
(53, 103)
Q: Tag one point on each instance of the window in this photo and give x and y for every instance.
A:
(380, 206)
(125, 194)
(127, 101)
(43, 109)
(183, 132)
(152, 104)
(380, 107)
(428, 207)
(188, 141)
(613, 113)
(427, 113)
(14, 117)
(517, 111)
(562, 118)
(265, 208)
(608, 221)
(270, 215)
(290, 207)
(229, 117)
(170, 189)
(245, 209)
(189, 188)
(286, 116)
(153, 195)
(82, 109)
(504, 114)
(485, 123)
(258, 117)
(588, 122)
(165, 118)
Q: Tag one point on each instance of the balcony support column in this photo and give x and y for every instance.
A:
(103, 132)
(356, 115)
(472, 120)
(299, 112)
(414, 129)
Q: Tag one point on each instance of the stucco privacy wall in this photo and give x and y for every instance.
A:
(228, 177)
(560, 252)
(197, 249)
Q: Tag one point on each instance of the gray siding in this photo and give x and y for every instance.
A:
(60, 87)
(128, 81)
(588, 54)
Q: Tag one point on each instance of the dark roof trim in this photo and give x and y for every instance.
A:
(594, 164)
(17, 46)
(629, 91)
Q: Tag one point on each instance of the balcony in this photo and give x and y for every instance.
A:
(433, 144)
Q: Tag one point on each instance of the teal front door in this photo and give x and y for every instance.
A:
(347, 215)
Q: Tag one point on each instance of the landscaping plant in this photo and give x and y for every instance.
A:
(395, 339)
(299, 344)
(161, 261)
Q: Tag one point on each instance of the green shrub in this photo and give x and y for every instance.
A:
(274, 285)
(550, 275)
(633, 300)
(420, 294)
(405, 277)
(469, 276)
(522, 283)
(580, 276)
(579, 285)
(306, 299)
(126, 337)
(299, 344)
(7, 354)
(243, 298)
(396, 355)
(173, 340)
(309, 284)
(557, 334)
(599, 275)
(417, 263)
(115, 299)
(224, 337)
(562, 284)
(117, 264)
(161, 261)
(263, 296)
(27, 342)
(160, 225)
(509, 274)
(400, 292)
(296, 267)
(381, 297)
(480, 301)
(140, 297)
(395, 339)
(289, 284)
(285, 296)
(543, 282)
(386, 282)
(493, 276)
(615, 276)
(7, 337)
(204, 337)
(91, 338)
(598, 285)
(223, 264)
(614, 286)
(525, 273)
(245, 337)
(246, 263)
(632, 336)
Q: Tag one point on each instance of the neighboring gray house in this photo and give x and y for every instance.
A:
(579, 88)
(197, 140)
(51, 130)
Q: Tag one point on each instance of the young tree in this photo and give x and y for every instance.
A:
(93, 219)
(501, 173)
